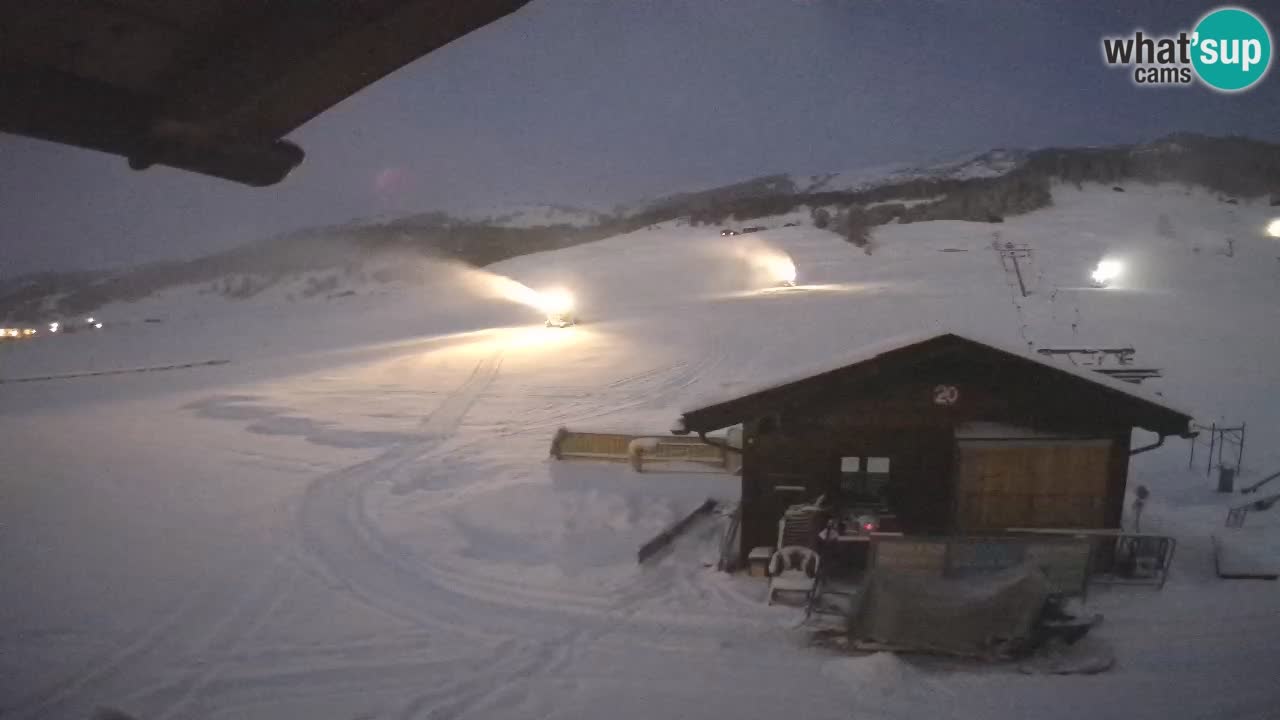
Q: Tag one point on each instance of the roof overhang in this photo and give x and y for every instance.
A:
(210, 86)
(891, 357)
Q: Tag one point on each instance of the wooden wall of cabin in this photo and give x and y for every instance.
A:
(1039, 483)
(777, 471)
(905, 416)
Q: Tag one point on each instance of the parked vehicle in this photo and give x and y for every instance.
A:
(727, 232)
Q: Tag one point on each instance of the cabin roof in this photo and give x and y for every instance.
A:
(1150, 410)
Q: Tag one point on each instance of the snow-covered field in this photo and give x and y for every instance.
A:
(355, 517)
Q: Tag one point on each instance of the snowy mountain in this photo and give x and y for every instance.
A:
(990, 164)
(527, 216)
(354, 257)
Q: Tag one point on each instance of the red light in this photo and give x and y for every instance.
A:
(869, 527)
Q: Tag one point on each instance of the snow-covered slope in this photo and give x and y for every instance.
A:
(355, 517)
(525, 216)
(992, 163)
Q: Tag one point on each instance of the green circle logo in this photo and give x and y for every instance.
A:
(1231, 49)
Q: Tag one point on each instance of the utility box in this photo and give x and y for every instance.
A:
(1226, 479)
(758, 561)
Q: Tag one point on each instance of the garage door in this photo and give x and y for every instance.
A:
(1002, 484)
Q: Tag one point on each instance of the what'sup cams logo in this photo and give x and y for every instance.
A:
(1229, 50)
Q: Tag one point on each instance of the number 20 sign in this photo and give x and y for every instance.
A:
(945, 395)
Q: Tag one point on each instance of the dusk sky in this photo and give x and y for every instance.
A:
(595, 103)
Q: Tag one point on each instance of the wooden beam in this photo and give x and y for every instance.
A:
(282, 67)
(665, 538)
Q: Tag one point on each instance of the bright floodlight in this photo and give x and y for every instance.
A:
(90, 321)
(1107, 272)
(53, 327)
(784, 270)
(555, 301)
(1274, 228)
(98, 325)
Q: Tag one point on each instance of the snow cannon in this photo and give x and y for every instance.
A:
(1106, 273)
(783, 270)
(557, 305)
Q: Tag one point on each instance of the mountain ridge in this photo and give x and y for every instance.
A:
(984, 187)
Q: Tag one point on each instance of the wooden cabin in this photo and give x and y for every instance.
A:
(955, 435)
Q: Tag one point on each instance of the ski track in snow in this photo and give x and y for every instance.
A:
(339, 540)
(335, 534)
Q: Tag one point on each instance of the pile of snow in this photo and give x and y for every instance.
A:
(882, 679)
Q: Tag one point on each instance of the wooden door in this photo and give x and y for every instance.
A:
(1003, 484)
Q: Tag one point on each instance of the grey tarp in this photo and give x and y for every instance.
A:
(988, 614)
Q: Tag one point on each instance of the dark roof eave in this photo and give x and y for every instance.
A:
(1144, 414)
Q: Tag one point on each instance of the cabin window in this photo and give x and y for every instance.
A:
(865, 479)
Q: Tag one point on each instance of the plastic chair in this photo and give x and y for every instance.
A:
(793, 569)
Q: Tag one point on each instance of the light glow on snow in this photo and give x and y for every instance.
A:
(555, 301)
(534, 340)
(1107, 272)
(833, 288)
(782, 267)
(1274, 228)
(548, 302)
(769, 265)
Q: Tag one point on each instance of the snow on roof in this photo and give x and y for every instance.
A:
(883, 347)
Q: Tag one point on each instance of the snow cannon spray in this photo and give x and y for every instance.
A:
(769, 265)
(1107, 272)
(556, 304)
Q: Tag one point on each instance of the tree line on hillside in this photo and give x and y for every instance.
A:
(1237, 167)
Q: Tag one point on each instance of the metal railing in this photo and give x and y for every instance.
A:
(1120, 558)
(1254, 487)
(1236, 515)
(1137, 560)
